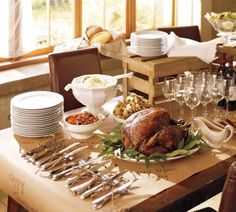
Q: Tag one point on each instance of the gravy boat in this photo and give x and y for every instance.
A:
(214, 135)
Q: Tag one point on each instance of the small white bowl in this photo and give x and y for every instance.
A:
(81, 131)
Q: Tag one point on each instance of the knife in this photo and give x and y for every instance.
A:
(99, 202)
(105, 182)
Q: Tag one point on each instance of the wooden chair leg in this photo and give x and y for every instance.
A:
(14, 206)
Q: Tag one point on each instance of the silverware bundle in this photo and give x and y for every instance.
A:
(85, 176)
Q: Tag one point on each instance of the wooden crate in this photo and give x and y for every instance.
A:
(149, 73)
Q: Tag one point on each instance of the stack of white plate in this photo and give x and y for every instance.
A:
(37, 113)
(148, 43)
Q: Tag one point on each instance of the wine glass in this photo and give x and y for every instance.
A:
(217, 94)
(179, 93)
(229, 91)
(169, 89)
(192, 95)
(205, 94)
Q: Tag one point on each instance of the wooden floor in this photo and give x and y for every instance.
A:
(3, 202)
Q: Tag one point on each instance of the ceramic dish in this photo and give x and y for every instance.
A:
(81, 131)
(126, 158)
(117, 119)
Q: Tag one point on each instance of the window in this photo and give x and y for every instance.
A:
(29, 25)
(53, 22)
(188, 12)
(153, 13)
(109, 14)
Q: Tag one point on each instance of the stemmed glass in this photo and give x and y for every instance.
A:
(229, 91)
(180, 87)
(169, 88)
(217, 93)
(206, 93)
(192, 95)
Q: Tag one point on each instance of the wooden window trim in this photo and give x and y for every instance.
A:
(130, 17)
(78, 18)
(40, 55)
(23, 62)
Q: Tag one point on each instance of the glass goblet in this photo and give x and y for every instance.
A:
(229, 91)
(192, 100)
(205, 97)
(179, 93)
(217, 95)
(169, 89)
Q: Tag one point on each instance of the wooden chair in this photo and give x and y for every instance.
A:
(191, 32)
(65, 66)
(228, 198)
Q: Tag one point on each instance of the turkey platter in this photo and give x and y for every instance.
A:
(151, 134)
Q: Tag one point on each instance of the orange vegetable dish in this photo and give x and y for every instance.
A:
(83, 118)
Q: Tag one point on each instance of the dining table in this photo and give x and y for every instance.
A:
(175, 185)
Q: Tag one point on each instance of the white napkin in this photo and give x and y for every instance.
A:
(174, 41)
(186, 47)
(70, 45)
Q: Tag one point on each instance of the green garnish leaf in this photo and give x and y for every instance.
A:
(177, 152)
(181, 144)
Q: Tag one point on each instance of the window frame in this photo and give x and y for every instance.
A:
(33, 57)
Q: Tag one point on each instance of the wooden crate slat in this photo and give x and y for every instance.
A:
(139, 84)
(156, 70)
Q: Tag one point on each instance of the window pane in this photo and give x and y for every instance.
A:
(61, 21)
(190, 9)
(109, 14)
(40, 23)
(53, 21)
(153, 13)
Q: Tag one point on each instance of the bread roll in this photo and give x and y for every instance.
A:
(120, 37)
(101, 37)
(92, 30)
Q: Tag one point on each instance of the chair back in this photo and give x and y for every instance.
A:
(65, 66)
(191, 32)
(228, 198)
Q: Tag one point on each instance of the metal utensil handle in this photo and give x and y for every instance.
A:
(121, 76)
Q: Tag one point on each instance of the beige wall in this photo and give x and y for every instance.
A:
(207, 32)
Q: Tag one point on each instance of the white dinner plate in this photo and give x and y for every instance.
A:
(37, 134)
(37, 113)
(37, 100)
(36, 117)
(148, 35)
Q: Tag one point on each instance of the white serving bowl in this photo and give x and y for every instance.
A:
(117, 119)
(81, 131)
(93, 97)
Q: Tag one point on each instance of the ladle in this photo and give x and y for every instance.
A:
(121, 76)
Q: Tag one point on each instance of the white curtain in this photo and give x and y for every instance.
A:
(16, 28)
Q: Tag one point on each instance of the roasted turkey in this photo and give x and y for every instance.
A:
(152, 130)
